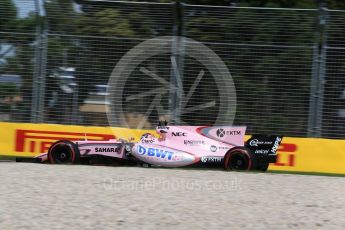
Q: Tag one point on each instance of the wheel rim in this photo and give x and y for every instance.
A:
(62, 154)
(239, 162)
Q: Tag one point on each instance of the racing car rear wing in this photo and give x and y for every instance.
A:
(265, 144)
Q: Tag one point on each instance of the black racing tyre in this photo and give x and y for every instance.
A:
(239, 158)
(63, 152)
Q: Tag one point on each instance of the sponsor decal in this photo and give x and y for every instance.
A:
(145, 141)
(153, 152)
(256, 142)
(261, 151)
(213, 148)
(287, 156)
(222, 132)
(179, 134)
(147, 138)
(36, 141)
(223, 147)
(276, 145)
(105, 150)
(194, 142)
(211, 159)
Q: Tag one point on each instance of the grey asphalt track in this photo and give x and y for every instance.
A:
(36, 196)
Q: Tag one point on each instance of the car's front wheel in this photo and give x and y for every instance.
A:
(63, 152)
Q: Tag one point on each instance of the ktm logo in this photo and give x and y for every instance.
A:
(220, 132)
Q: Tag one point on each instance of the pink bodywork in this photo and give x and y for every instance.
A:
(188, 144)
(176, 145)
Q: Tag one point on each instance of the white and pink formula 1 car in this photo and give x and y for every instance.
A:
(177, 146)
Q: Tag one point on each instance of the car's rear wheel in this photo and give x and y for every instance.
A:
(239, 158)
(63, 152)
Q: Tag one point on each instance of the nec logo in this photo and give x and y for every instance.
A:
(179, 134)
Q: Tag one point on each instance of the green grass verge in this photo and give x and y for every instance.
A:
(5, 158)
(307, 173)
(10, 158)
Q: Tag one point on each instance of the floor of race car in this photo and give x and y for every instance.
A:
(38, 196)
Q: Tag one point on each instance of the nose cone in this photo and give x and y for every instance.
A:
(163, 156)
